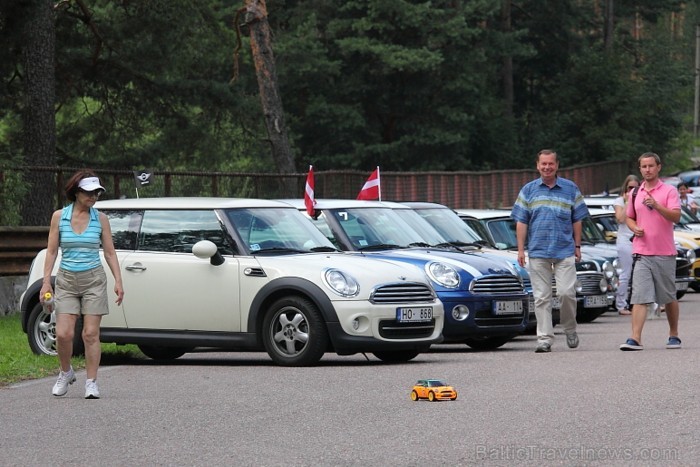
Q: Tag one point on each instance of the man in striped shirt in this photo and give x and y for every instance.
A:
(548, 214)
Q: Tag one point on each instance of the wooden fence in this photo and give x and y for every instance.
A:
(462, 189)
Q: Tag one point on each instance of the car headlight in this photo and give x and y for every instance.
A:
(603, 285)
(690, 254)
(615, 283)
(608, 270)
(341, 283)
(443, 274)
(579, 286)
(618, 266)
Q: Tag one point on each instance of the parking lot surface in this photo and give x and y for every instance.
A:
(594, 405)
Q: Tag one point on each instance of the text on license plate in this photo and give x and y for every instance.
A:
(414, 314)
(507, 307)
(595, 301)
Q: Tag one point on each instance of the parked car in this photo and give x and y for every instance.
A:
(484, 299)
(241, 274)
(596, 276)
(687, 248)
(433, 390)
(460, 235)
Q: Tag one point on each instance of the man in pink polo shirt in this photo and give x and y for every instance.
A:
(650, 217)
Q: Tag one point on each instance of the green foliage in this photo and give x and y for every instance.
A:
(403, 84)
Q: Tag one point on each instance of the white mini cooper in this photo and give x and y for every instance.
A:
(242, 274)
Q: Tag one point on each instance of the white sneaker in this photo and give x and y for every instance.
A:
(65, 378)
(91, 391)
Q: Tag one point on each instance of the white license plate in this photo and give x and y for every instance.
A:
(414, 314)
(510, 307)
(595, 301)
(681, 286)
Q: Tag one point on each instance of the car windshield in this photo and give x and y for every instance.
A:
(433, 383)
(376, 228)
(420, 225)
(277, 230)
(450, 226)
(503, 233)
(590, 232)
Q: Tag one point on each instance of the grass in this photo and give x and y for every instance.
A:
(19, 363)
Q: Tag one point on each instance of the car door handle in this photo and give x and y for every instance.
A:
(136, 267)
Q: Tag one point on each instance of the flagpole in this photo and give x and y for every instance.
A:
(379, 183)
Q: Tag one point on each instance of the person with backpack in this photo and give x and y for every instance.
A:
(652, 210)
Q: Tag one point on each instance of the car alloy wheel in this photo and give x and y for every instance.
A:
(294, 333)
(414, 396)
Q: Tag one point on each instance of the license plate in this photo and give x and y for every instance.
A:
(414, 315)
(681, 286)
(595, 301)
(511, 307)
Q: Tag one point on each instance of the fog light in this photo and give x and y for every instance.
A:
(356, 324)
(460, 312)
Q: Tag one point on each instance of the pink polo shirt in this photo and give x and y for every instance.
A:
(658, 231)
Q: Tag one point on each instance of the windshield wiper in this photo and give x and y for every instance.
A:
(381, 246)
(419, 245)
(278, 249)
(323, 249)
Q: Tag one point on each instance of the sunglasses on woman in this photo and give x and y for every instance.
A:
(91, 194)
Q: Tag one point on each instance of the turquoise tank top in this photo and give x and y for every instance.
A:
(79, 252)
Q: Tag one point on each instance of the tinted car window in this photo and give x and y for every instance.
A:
(178, 231)
(125, 228)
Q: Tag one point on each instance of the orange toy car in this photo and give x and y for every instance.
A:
(433, 390)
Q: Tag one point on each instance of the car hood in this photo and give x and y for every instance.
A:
(369, 272)
(475, 265)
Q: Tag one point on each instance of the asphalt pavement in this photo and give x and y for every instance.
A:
(594, 405)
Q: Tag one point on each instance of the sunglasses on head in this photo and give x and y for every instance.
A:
(631, 187)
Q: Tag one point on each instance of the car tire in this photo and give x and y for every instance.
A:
(396, 356)
(455, 397)
(487, 343)
(163, 353)
(414, 396)
(431, 396)
(41, 333)
(294, 333)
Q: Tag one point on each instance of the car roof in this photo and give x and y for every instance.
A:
(188, 203)
(600, 212)
(484, 213)
(344, 204)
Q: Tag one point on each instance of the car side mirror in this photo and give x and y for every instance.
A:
(204, 249)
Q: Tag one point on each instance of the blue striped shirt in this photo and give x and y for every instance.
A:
(549, 214)
(79, 252)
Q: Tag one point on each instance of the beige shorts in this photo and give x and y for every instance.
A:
(81, 293)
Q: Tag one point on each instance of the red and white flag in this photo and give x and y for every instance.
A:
(372, 188)
(309, 196)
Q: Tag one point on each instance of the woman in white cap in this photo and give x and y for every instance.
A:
(81, 283)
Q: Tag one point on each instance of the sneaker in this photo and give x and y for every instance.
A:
(65, 378)
(543, 347)
(572, 340)
(631, 344)
(91, 391)
(673, 343)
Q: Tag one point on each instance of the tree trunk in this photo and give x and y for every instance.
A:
(264, 60)
(609, 25)
(39, 138)
(507, 70)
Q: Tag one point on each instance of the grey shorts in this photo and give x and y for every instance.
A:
(81, 293)
(654, 280)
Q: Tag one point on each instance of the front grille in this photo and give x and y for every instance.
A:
(496, 285)
(590, 283)
(682, 267)
(402, 293)
(392, 329)
(586, 266)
